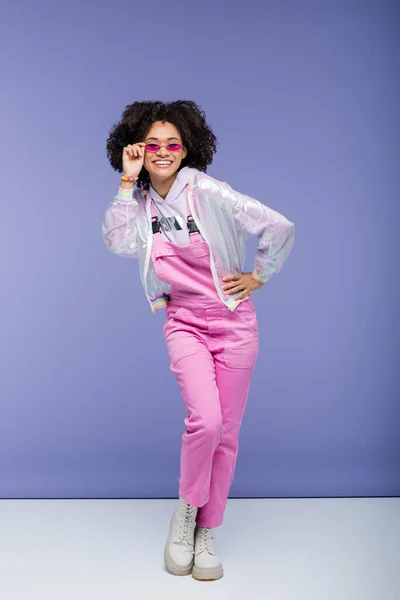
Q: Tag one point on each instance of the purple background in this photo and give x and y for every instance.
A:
(303, 97)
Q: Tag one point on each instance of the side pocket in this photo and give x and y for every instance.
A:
(179, 347)
(247, 315)
(240, 359)
(178, 354)
(171, 314)
(179, 339)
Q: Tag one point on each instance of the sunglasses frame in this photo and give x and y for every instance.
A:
(158, 147)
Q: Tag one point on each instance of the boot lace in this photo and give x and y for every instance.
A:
(204, 539)
(186, 522)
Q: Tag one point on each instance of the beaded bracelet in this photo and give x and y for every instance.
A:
(126, 178)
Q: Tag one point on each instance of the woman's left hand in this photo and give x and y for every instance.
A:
(244, 282)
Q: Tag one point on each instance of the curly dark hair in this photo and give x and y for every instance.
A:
(188, 118)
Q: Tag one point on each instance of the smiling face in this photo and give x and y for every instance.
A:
(163, 133)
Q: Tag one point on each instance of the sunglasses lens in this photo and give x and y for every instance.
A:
(156, 147)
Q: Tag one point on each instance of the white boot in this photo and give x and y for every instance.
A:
(207, 565)
(179, 548)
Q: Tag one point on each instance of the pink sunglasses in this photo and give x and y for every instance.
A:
(170, 147)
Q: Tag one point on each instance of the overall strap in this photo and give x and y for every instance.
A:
(194, 233)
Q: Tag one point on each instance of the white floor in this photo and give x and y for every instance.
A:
(275, 549)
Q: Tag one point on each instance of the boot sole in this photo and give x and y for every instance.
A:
(209, 574)
(172, 567)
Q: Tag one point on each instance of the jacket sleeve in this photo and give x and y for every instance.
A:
(274, 231)
(119, 228)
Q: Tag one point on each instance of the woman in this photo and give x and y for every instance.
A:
(188, 231)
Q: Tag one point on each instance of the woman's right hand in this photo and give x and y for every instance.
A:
(132, 159)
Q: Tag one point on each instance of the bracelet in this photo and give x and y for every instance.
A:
(126, 178)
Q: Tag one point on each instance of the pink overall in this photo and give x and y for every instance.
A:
(212, 352)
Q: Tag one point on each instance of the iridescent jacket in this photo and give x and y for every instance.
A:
(225, 219)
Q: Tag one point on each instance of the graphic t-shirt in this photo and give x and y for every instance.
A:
(172, 212)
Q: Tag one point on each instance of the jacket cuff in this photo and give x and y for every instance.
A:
(158, 303)
(124, 194)
(258, 278)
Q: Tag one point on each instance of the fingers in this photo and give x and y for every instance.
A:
(243, 296)
(128, 150)
(231, 286)
(135, 150)
(236, 281)
(231, 277)
(238, 288)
